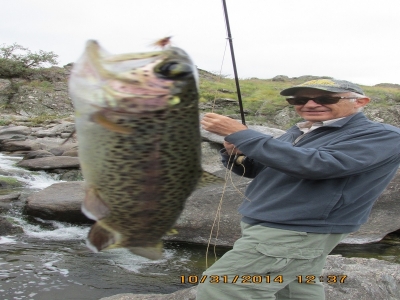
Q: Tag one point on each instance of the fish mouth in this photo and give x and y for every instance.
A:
(135, 82)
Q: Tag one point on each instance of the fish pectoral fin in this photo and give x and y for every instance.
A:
(153, 252)
(100, 118)
(209, 179)
(100, 238)
(93, 206)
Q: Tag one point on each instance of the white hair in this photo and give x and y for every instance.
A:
(357, 95)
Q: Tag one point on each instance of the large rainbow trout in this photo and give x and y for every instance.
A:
(139, 144)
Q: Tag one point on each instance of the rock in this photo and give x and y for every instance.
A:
(384, 217)
(185, 294)
(60, 150)
(9, 182)
(196, 221)
(48, 163)
(27, 145)
(6, 92)
(36, 98)
(18, 130)
(71, 152)
(211, 159)
(38, 154)
(7, 228)
(366, 279)
(12, 137)
(57, 130)
(281, 78)
(391, 115)
(6, 201)
(71, 175)
(61, 201)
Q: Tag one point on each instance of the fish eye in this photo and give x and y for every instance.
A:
(174, 70)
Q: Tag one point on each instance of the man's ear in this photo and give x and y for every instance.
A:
(361, 102)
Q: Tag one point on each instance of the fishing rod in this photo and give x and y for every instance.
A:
(228, 29)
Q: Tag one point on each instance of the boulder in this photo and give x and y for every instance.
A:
(51, 162)
(6, 201)
(61, 201)
(38, 154)
(26, 145)
(8, 228)
(19, 130)
(212, 209)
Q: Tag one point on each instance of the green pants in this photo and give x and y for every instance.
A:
(269, 263)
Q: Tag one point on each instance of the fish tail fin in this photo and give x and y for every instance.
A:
(100, 238)
(208, 179)
(152, 252)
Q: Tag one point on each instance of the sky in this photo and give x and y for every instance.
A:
(355, 40)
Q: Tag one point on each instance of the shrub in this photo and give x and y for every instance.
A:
(17, 61)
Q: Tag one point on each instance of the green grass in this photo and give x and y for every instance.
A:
(45, 86)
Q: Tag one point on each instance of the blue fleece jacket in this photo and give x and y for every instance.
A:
(325, 183)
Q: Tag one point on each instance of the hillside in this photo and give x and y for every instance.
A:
(37, 100)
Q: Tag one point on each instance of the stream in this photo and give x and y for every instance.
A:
(50, 260)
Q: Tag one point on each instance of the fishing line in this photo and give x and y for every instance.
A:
(228, 173)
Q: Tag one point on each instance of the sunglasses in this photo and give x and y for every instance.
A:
(318, 100)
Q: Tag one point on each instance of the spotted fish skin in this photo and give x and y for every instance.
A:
(139, 143)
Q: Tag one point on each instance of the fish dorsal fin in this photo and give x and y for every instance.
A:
(209, 179)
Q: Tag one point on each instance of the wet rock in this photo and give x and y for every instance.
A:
(61, 201)
(9, 182)
(71, 175)
(8, 228)
(6, 201)
(48, 163)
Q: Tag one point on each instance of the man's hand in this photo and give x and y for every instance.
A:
(221, 125)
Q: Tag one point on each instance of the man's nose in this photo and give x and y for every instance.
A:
(311, 103)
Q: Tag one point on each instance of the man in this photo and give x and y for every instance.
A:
(312, 186)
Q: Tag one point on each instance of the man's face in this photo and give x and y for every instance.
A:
(314, 112)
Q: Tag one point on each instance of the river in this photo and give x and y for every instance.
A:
(50, 261)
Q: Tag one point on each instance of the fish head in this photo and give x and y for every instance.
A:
(133, 82)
